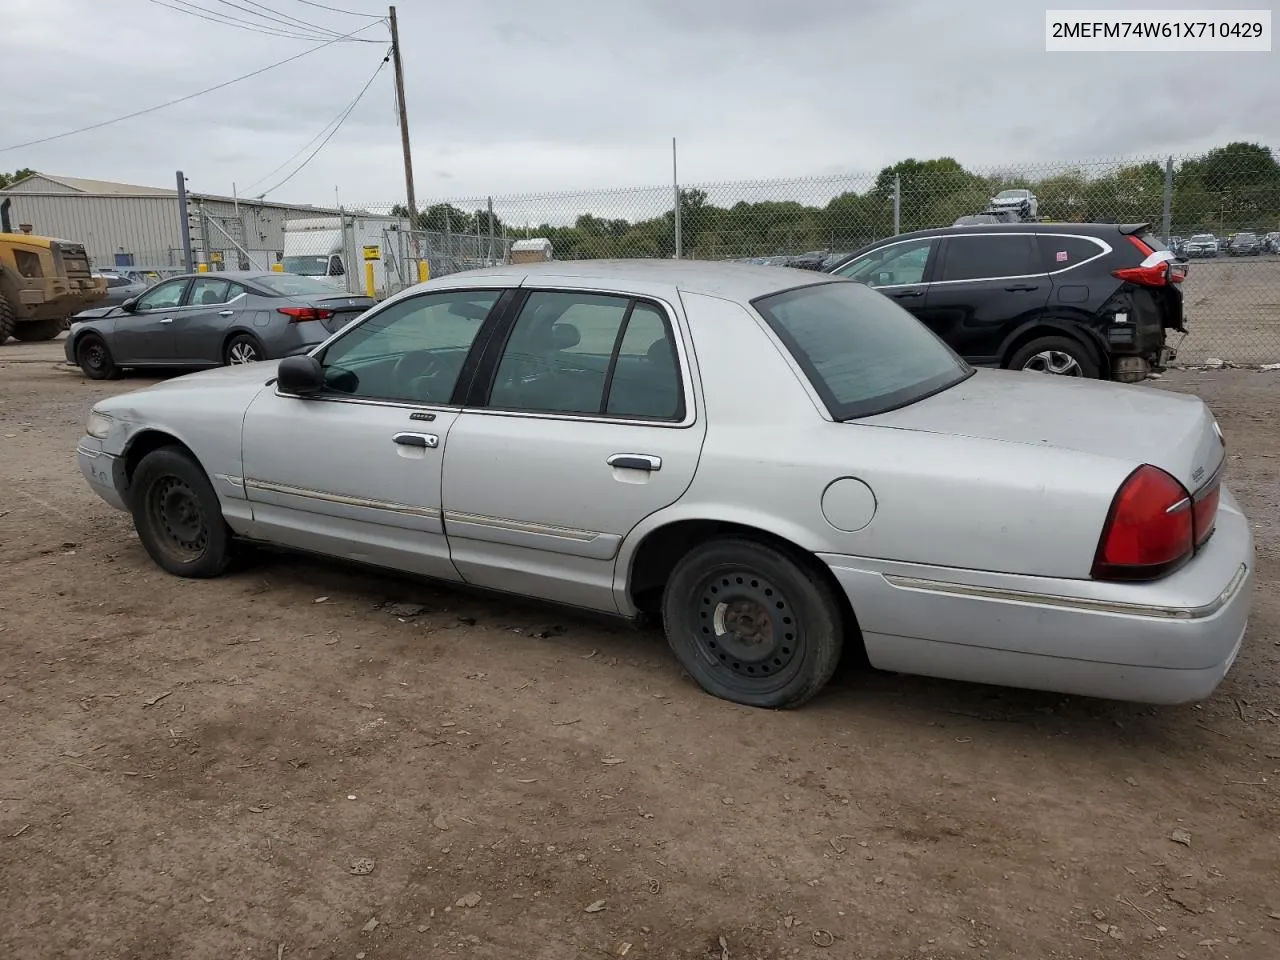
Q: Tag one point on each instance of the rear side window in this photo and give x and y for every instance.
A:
(862, 352)
(990, 255)
(1062, 253)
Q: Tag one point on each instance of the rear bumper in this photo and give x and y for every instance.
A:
(1167, 642)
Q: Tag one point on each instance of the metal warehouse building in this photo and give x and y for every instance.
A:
(124, 225)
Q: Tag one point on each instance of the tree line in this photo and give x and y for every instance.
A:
(1229, 188)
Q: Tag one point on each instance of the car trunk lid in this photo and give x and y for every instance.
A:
(343, 309)
(1173, 431)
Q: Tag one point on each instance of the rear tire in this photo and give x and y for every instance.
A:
(1057, 355)
(37, 330)
(243, 348)
(178, 517)
(7, 321)
(94, 358)
(751, 625)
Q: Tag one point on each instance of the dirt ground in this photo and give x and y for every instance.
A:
(1232, 307)
(279, 765)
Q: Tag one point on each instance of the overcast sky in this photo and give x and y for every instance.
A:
(515, 96)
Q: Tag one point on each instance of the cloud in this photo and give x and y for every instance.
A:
(507, 97)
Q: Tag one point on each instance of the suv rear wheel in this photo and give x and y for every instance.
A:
(1057, 355)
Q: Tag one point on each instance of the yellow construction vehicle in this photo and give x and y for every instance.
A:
(43, 282)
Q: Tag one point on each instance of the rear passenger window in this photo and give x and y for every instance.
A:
(1062, 253)
(990, 255)
(589, 354)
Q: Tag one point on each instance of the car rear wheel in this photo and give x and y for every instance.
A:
(94, 358)
(244, 348)
(177, 515)
(1057, 355)
(751, 625)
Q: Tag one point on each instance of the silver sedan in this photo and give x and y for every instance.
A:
(210, 319)
(774, 463)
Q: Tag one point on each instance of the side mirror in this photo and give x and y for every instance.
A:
(302, 376)
(130, 305)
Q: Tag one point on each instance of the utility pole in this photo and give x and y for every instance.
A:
(404, 121)
(675, 192)
(188, 261)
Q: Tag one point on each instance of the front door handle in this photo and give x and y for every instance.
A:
(635, 461)
(907, 294)
(1023, 287)
(417, 440)
(167, 320)
(226, 313)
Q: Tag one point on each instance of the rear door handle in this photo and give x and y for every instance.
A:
(907, 294)
(635, 461)
(1023, 287)
(167, 320)
(226, 313)
(417, 440)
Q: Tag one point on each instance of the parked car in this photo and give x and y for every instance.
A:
(1271, 243)
(1083, 300)
(1202, 245)
(1245, 245)
(1023, 201)
(583, 432)
(119, 289)
(209, 319)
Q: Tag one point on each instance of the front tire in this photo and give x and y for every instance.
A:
(243, 348)
(35, 331)
(751, 625)
(1057, 355)
(93, 356)
(178, 517)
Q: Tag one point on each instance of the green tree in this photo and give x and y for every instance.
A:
(9, 179)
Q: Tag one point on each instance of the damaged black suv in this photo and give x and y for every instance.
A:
(1077, 299)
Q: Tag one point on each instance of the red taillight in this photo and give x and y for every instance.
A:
(1156, 275)
(1150, 530)
(299, 314)
(1141, 245)
(1204, 511)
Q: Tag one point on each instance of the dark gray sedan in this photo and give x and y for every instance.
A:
(210, 319)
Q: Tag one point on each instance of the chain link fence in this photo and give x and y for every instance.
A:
(1232, 296)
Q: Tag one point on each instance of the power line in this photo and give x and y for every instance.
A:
(342, 117)
(272, 17)
(267, 176)
(354, 13)
(190, 96)
(303, 23)
(226, 21)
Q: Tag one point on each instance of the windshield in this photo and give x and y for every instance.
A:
(307, 266)
(1246, 237)
(290, 285)
(862, 352)
(1202, 238)
(1011, 194)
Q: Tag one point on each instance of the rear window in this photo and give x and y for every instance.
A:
(1063, 253)
(292, 285)
(989, 255)
(862, 352)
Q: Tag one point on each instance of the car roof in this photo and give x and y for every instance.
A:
(227, 275)
(728, 279)
(1084, 229)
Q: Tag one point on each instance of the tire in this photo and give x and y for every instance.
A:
(7, 321)
(37, 330)
(93, 356)
(712, 612)
(1058, 355)
(245, 346)
(178, 517)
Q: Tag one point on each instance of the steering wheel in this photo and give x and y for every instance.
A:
(414, 375)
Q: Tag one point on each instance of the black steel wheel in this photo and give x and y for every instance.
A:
(752, 625)
(177, 515)
(94, 358)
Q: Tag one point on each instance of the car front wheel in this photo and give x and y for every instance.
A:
(1057, 355)
(177, 515)
(751, 625)
(93, 356)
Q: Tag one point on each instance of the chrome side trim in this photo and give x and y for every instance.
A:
(91, 454)
(520, 526)
(228, 479)
(263, 486)
(1073, 603)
